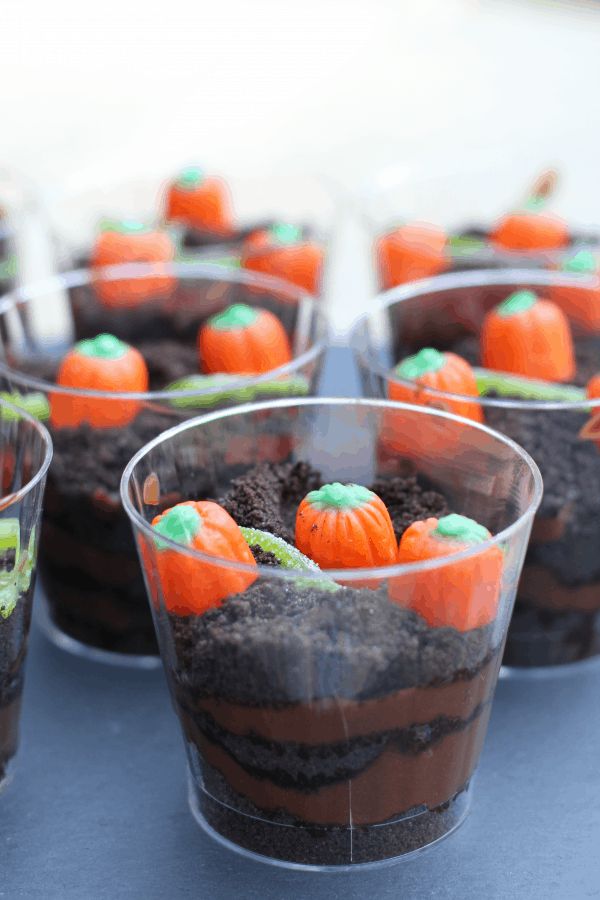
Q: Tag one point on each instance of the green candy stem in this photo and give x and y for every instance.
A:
(35, 404)
(518, 302)
(180, 524)
(462, 529)
(103, 346)
(423, 362)
(514, 386)
(340, 496)
(581, 263)
(282, 387)
(123, 226)
(464, 245)
(535, 204)
(285, 233)
(224, 262)
(190, 177)
(235, 317)
(189, 256)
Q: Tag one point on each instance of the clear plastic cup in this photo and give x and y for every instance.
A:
(466, 203)
(94, 592)
(21, 229)
(76, 210)
(557, 614)
(25, 454)
(330, 726)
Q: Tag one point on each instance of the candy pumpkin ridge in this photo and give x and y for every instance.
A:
(236, 316)
(103, 346)
(339, 496)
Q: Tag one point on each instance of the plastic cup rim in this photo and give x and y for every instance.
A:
(345, 575)
(9, 500)
(474, 278)
(20, 297)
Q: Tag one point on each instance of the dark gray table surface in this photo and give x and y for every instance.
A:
(98, 808)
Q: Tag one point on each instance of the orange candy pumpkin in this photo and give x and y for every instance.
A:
(189, 586)
(593, 387)
(345, 526)
(411, 252)
(443, 372)
(103, 363)
(528, 230)
(591, 431)
(528, 336)
(281, 251)
(200, 202)
(243, 340)
(125, 242)
(580, 304)
(461, 595)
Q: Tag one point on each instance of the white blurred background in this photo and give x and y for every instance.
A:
(337, 87)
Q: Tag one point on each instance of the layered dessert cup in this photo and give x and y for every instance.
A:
(331, 618)
(517, 350)
(167, 342)
(25, 453)
(421, 224)
(20, 227)
(278, 225)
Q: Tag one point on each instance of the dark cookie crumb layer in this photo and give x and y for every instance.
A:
(568, 545)
(540, 637)
(267, 497)
(290, 764)
(14, 632)
(276, 644)
(285, 838)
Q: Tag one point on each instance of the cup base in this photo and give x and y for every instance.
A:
(319, 849)
(78, 648)
(567, 669)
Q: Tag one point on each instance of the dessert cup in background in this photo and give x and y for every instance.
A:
(23, 240)
(326, 721)
(490, 214)
(25, 454)
(94, 592)
(279, 224)
(557, 613)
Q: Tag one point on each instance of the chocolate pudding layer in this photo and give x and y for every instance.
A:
(286, 838)
(14, 631)
(557, 614)
(330, 711)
